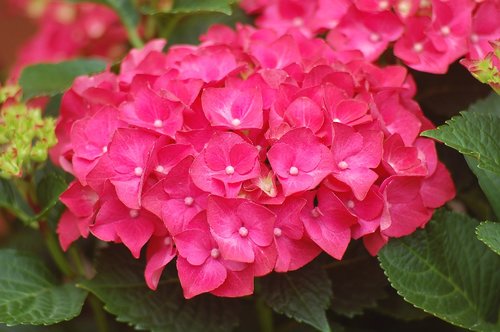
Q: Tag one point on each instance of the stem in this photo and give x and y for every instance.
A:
(169, 28)
(265, 316)
(55, 251)
(134, 38)
(99, 314)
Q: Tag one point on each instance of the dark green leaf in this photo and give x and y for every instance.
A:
(489, 233)
(358, 283)
(473, 134)
(447, 272)
(191, 6)
(50, 183)
(489, 183)
(29, 293)
(12, 200)
(394, 306)
(303, 295)
(51, 79)
(120, 284)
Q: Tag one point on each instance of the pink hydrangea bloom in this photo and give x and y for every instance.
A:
(252, 152)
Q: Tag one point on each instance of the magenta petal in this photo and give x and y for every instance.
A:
(222, 215)
(359, 180)
(128, 190)
(194, 245)
(235, 248)
(159, 254)
(294, 254)
(438, 188)
(265, 259)
(259, 221)
(68, 229)
(303, 112)
(196, 280)
(134, 233)
(237, 284)
(243, 157)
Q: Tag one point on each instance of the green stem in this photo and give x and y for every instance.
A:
(169, 28)
(265, 316)
(99, 314)
(134, 38)
(55, 251)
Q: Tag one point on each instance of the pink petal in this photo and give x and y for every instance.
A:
(200, 279)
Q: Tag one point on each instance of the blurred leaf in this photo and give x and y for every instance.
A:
(489, 233)
(50, 79)
(188, 28)
(12, 200)
(29, 293)
(120, 284)
(303, 295)
(190, 6)
(444, 270)
(50, 183)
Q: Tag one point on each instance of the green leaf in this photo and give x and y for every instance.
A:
(489, 233)
(358, 283)
(473, 134)
(120, 284)
(49, 79)
(191, 6)
(12, 200)
(50, 183)
(188, 28)
(445, 271)
(489, 183)
(29, 293)
(394, 306)
(303, 295)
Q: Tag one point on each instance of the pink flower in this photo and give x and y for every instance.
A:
(329, 223)
(160, 252)
(129, 154)
(300, 161)
(404, 210)
(244, 232)
(224, 164)
(295, 248)
(202, 267)
(355, 154)
(150, 111)
(234, 109)
(118, 223)
(75, 222)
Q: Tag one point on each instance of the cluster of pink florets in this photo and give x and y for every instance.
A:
(250, 153)
(428, 35)
(66, 30)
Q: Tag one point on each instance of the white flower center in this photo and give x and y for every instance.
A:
(445, 30)
(158, 123)
(236, 122)
(104, 149)
(138, 171)
(350, 204)
(243, 231)
(315, 212)
(474, 38)
(293, 170)
(277, 232)
(189, 200)
(374, 37)
(342, 164)
(383, 5)
(229, 170)
(336, 120)
(160, 169)
(418, 47)
(133, 213)
(404, 8)
(298, 21)
(215, 253)
(167, 241)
